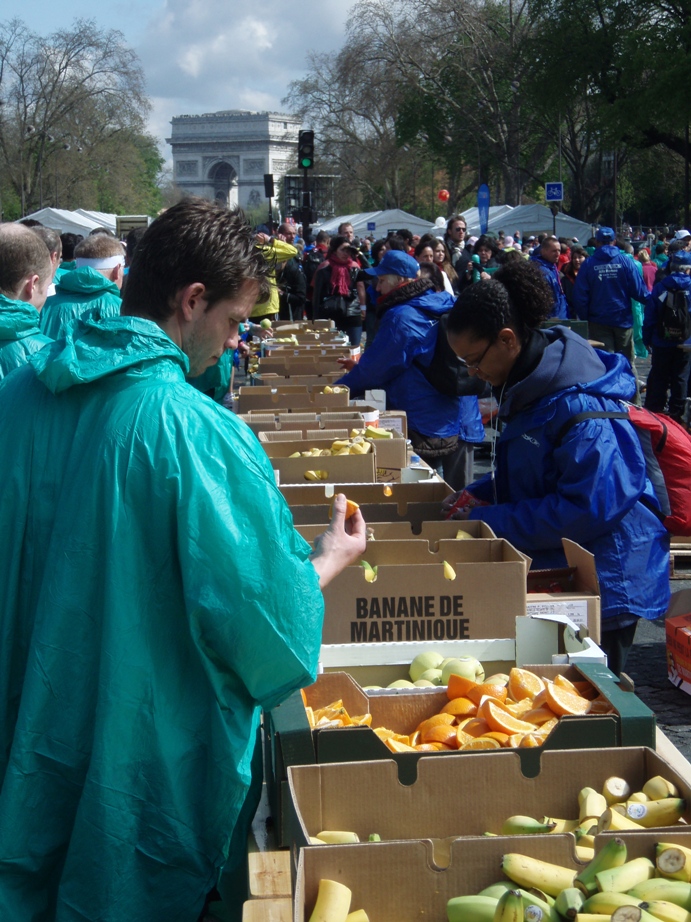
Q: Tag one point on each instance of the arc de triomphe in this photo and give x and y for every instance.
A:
(223, 156)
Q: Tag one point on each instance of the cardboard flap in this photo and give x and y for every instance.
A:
(584, 561)
(679, 603)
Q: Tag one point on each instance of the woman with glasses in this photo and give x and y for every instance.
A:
(557, 477)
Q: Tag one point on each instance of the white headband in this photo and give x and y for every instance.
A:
(110, 262)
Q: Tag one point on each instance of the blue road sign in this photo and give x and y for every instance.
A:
(554, 192)
(371, 225)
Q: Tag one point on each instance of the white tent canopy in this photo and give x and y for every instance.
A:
(73, 222)
(533, 220)
(384, 221)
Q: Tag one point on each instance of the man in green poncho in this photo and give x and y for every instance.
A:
(153, 593)
(25, 276)
(92, 288)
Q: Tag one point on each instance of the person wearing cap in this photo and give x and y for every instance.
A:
(443, 429)
(546, 257)
(92, 288)
(26, 271)
(684, 236)
(605, 286)
(670, 365)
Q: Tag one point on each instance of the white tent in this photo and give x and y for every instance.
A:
(533, 220)
(101, 218)
(378, 223)
(66, 222)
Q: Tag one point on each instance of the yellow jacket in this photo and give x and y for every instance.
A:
(278, 251)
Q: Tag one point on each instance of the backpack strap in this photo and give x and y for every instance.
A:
(611, 414)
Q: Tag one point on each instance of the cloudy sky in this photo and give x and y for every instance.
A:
(206, 55)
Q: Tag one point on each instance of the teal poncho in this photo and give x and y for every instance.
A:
(78, 293)
(153, 594)
(20, 336)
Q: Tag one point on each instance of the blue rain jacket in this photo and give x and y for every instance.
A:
(552, 276)
(405, 334)
(605, 285)
(20, 336)
(153, 595)
(586, 488)
(77, 293)
(654, 305)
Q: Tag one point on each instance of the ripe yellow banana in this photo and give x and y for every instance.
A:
(510, 907)
(591, 804)
(606, 902)
(333, 902)
(358, 916)
(471, 909)
(449, 572)
(631, 913)
(612, 819)
(668, 912)
(665, 812)
(584, 852)
(658, 787)
(615, 790)
(561, 825)
(626, 876)
(673, 861)
(531, 872)
(337, 837)
(660, 888)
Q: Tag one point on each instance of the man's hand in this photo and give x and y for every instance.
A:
(343, 542)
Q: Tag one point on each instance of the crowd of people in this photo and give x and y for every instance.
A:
(155, 594)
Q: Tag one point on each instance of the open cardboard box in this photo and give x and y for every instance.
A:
(289, 397)
(678, 638)
(270, 379)
(573, 591)
(367, 797)
(289, 740)
(411, 600)
(389, 453)
(302, 435)
(356, 468)
(402, 880)
(431, 532)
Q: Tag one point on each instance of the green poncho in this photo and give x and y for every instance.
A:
(153, 594)
(20, 336)
(76, 293)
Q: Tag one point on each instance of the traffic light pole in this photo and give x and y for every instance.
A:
(306, 204)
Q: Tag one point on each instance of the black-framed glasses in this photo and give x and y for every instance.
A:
(473, 366)
(464, 229)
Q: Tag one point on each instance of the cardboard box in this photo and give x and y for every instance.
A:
(412, 881)
(274, 380)
(366, 797)
(289, 740)
(678, 639)
(412, 601)
(355, 468)
(573, 591)
(431, 532)
(289, 397)
(303, 436)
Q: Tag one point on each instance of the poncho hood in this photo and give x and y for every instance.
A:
(17, 319)
(86, 281)
(94, 350)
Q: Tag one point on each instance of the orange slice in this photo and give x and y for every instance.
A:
(482, 742)
(434, 721)
(395, 746)
(600, 706)
(351, 508)
(484, 690)
(563, 682)
(499, 719)
(458, 687)
(524, 684)
(520, 708)
(539, 716)
(441, 734)
(462, 737)
(484, 704)
(476, 727)
(564, 702)
(530, 741)
(428, 747)
(460, 707)
(514, 741)
(501, 738)
(584, 688)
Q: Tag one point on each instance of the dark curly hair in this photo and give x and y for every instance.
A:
(517, 296)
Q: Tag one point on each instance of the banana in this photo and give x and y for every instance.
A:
(333, 902)
(496, 890)
(315, 841)
(531, 872)
(590, 917)
(510, 907)
(449, 572)
(358, 916)
(373, 432)
(374, 837)
(584, 852)
(665, 812)
(337, 837)
(592, 805)
(537, 906)
(584, 838)
(668, 912)
(611, 819)
(614, 790)
(631, 913)
(638, 797)
(606, 902)
(660, 888)
(312, 476)
(569, 902)
(471, 909)
(625, 876)
(560, 825)
(658, 787)
(611, 855)
(673, 861)
(370, 572)
(524, 826)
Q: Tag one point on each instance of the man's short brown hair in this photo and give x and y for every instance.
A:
(98, 246)
(22, 253)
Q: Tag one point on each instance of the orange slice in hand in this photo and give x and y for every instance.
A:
(502, 721)
(564, 702)
(524, 684)
(351, 508)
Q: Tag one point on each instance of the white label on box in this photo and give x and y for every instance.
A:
(393, 422)
(576, 610)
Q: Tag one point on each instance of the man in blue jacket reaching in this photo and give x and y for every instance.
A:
(605, 285)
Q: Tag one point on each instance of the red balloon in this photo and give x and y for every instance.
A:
(443, 195)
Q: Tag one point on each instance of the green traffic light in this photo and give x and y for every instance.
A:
(306, 162)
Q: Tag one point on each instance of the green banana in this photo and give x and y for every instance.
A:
(569, 902)
(673, 861)
(510, 907)
(660, 888)
(471, 909)
(531, 872)
(606, 902)
(496, 890)
(524, 826)
(625, 876)
(611, 855)
(537, 908)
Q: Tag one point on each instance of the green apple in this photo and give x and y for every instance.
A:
(265, 324)
(401, 683)
(466, 666)
(423, 662)
(431, 675)
(423, 683)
